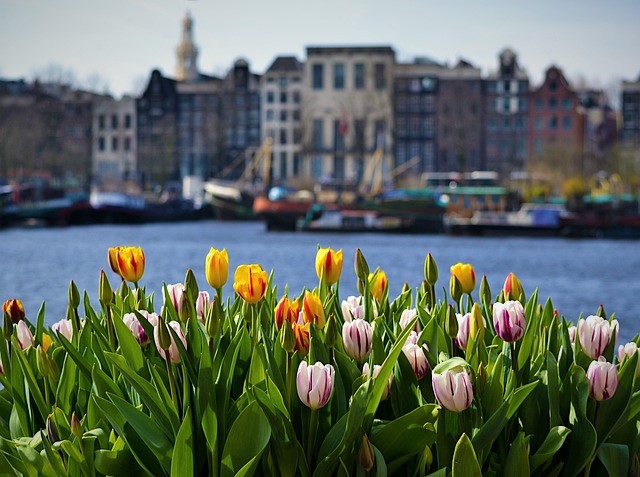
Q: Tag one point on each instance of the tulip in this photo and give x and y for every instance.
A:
(216, 267)
(512, 287)
(356, 338)
(453, 389)
(315, 384)
(415, 354)
(176, 294)
(301, 334)
(112, 256)
(627, 351)
(202, 304)
(594, 334)
(286, 310)
(132, 322)
(430, 270)
(329, 263)
(14, 309)
(378, 283)
(24, 335)
(250, 282)
(130, 263)
(376, 370)
(46, 341)
(174, 354)
(603, 379)
(353, 308)
(407, 316)
(366, 455)
(466, 275)
(312, 310)
(509, 320)
(465, 325)
(63, 327)
(572, 333)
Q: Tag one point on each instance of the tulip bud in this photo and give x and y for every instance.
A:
(41, 361)
(104, 289)
(415, 355)
(52, 432)
(374, 374)
(46, 341)
(453, 389)
(353, 308)
(287, 338)
(362, 270)
(329, 264)
(378, 284)
(216, 267)
(601, 312)
(477, 324)
(572, 330)
(331, 334)
(451, 322)
(428, 456)
(191, 286)
(315, 384)
(356, 339)
(74, 295)
(595, 333)
(14, 309)
(407, 317)
(24, 335)
(430, 270)
(301, 333)
(405, 288)
(312, 310)
(162, 335)
(202, 305)
(466, 275)
(215, 316)
(76, 427)
(509, 320)
(512, 287)
(112, 257)
(366, 456)
(165, 338)
(63, 327)
(286, 310)
(603, 379)
(485, 290)
(455, 288)
(184, 313)
(481, 378)
(627, 351)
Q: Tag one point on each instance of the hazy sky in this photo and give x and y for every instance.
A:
(121, 41)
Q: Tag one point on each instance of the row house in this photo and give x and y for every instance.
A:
(630, 105)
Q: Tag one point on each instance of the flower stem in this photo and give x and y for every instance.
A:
(313, 429)
(172, 383)
(289, 371)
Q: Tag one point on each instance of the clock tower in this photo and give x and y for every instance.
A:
(187, 53)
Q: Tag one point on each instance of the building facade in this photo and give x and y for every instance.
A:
(506, 116)
(347, 110)
(114, 142)
(630, 105)
(281, 115)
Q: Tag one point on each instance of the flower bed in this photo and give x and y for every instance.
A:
(263, 382)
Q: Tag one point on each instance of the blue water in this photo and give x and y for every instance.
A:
(37, 264)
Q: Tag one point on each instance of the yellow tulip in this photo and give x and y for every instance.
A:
(250, 282)
(378, 284)
(512, 287)
(312, 310)
(216, 267)
(113, 259)
(130, 263)
(330, 262)
(466, 275)
(46, 341)
(301, 333)
(286, 310)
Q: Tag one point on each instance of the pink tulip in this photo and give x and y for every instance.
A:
(376, 370)
(352, 308)
(627, 351)
(176, 294)
(594, 334)
(64, 328)
(406, 317)
(453, 389)
(24, 335)
(202, 304)
(603, 379)
(356, 338)
(315, 384)
(132, 322)
(174, 354)
(509, 320)
(415, 354)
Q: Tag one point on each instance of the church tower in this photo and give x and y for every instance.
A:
(187, 53)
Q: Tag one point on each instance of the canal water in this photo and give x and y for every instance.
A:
(36, 265)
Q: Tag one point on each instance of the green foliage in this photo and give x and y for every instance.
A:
(106, 402)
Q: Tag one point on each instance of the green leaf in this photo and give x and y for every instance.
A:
(35, 463)
(182, 459)
(551, 445)
(129, 346)
(118, 463)
(247, 440)
(67, 384)
(465, 462)
(615, 458)
(517, 462)
(30, 379)
(553, 393)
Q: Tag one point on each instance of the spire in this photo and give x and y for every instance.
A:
(187, 53)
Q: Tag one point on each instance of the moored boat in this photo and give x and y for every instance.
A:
(332, 218)
(282, 207)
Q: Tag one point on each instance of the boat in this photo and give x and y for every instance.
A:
(603, 216)
(333, 218)
(282, 207)
(530, 220)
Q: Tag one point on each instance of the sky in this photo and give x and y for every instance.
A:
(117, 43)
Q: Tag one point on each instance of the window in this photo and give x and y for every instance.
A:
(414, 126)
(522, 104)
(358, 76)
(402, 103)
(283, 96)
(539, 104)
(338, 76)
(428, 126)
(567, 103)
(283, 136)
(380, 78)
(296, 97)
(318, 136)
(317, 76)
(537, 145)
(428, 103)
(553, 86)
(283, 115)
(338, 137)
(296, 164)
(270, 97)
(297, 135)
(114, 143)
(296, 115)
(553, 103)
(317, 166)
(539, 124)
(270, 115)
(506, 105)
(100, 144)
(101, 121)
(507, 86)
(283, 165)
(127, 143)
(553, 123)
(127, 121)
(358, 129)
(114, 121)
(566, 122)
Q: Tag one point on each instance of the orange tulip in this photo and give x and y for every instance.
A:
(301, 332)
(250, 282)
(216, 267)
(14, 309)
(378, 284)
(329, 262)
(130, 263)
(466, 275)
(512, 287)
(286, 310)
(113, 259)
(312, 310)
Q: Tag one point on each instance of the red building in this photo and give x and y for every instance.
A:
(556, 125)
